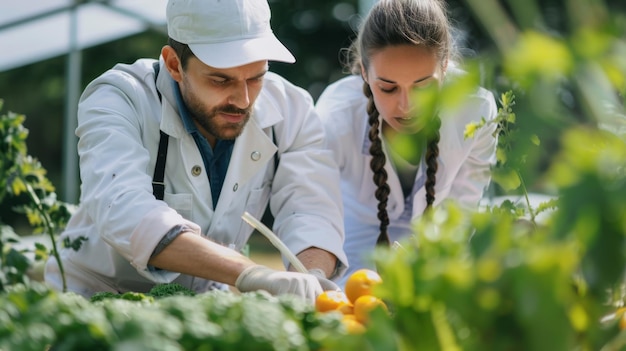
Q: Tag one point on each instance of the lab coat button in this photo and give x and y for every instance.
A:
(255, 156)
(196, 170)
(235, 187)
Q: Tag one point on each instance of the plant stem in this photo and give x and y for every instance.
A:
(50, 231)
(525, 191)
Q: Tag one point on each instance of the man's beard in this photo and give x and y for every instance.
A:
(208, 119)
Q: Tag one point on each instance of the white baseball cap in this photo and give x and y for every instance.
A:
(226, 33)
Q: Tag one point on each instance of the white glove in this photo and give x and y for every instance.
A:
(275, 282)
(326, 283)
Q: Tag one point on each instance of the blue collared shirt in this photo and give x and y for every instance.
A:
(215, 160)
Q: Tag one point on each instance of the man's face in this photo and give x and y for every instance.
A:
(220, 100)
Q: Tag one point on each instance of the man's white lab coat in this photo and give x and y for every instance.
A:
(118, 128)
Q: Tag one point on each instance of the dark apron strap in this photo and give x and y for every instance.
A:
(158, 185)
(276, 157)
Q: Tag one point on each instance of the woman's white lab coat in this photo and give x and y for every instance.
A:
(463, 173)
(118, 128)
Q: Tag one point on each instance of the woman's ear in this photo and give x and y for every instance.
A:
(172, 63)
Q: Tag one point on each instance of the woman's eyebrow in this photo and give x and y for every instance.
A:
(423, 79)
(414, 82)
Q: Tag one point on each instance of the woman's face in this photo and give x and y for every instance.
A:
(397, 75)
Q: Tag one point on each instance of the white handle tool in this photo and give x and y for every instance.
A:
(275, 240)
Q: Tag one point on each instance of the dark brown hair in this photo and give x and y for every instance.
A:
(182, 51)
(400, 22)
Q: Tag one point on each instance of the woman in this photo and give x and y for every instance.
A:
(403, 51)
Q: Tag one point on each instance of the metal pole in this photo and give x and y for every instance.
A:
(71, 179)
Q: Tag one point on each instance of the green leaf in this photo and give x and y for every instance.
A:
(470, 129)
(508, 179)
(535, 139)
(18, 186)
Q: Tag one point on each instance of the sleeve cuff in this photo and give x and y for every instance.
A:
(166, 240)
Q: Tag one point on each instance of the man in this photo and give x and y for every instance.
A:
(233, 137)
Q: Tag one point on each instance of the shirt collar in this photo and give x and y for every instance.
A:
(190, 127)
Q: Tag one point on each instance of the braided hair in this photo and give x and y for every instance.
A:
(400, 22)
(377, 164)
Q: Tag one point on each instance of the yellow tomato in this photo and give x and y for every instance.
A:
(364, 305)
(361, 283)
(332, 300)
(352, 325)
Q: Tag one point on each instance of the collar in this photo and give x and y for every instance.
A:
(183, 111)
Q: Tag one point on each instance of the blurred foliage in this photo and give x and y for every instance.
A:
(495, 279)
(565, 68)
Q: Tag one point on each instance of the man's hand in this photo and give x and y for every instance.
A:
(275, 282)
(326, 283)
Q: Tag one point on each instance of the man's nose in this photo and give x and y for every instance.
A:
(240, 96)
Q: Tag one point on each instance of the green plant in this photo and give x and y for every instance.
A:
(507, 173)
(37, 318)
(23, 180)
(13, 263)
(483, 280)
(158, 291)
